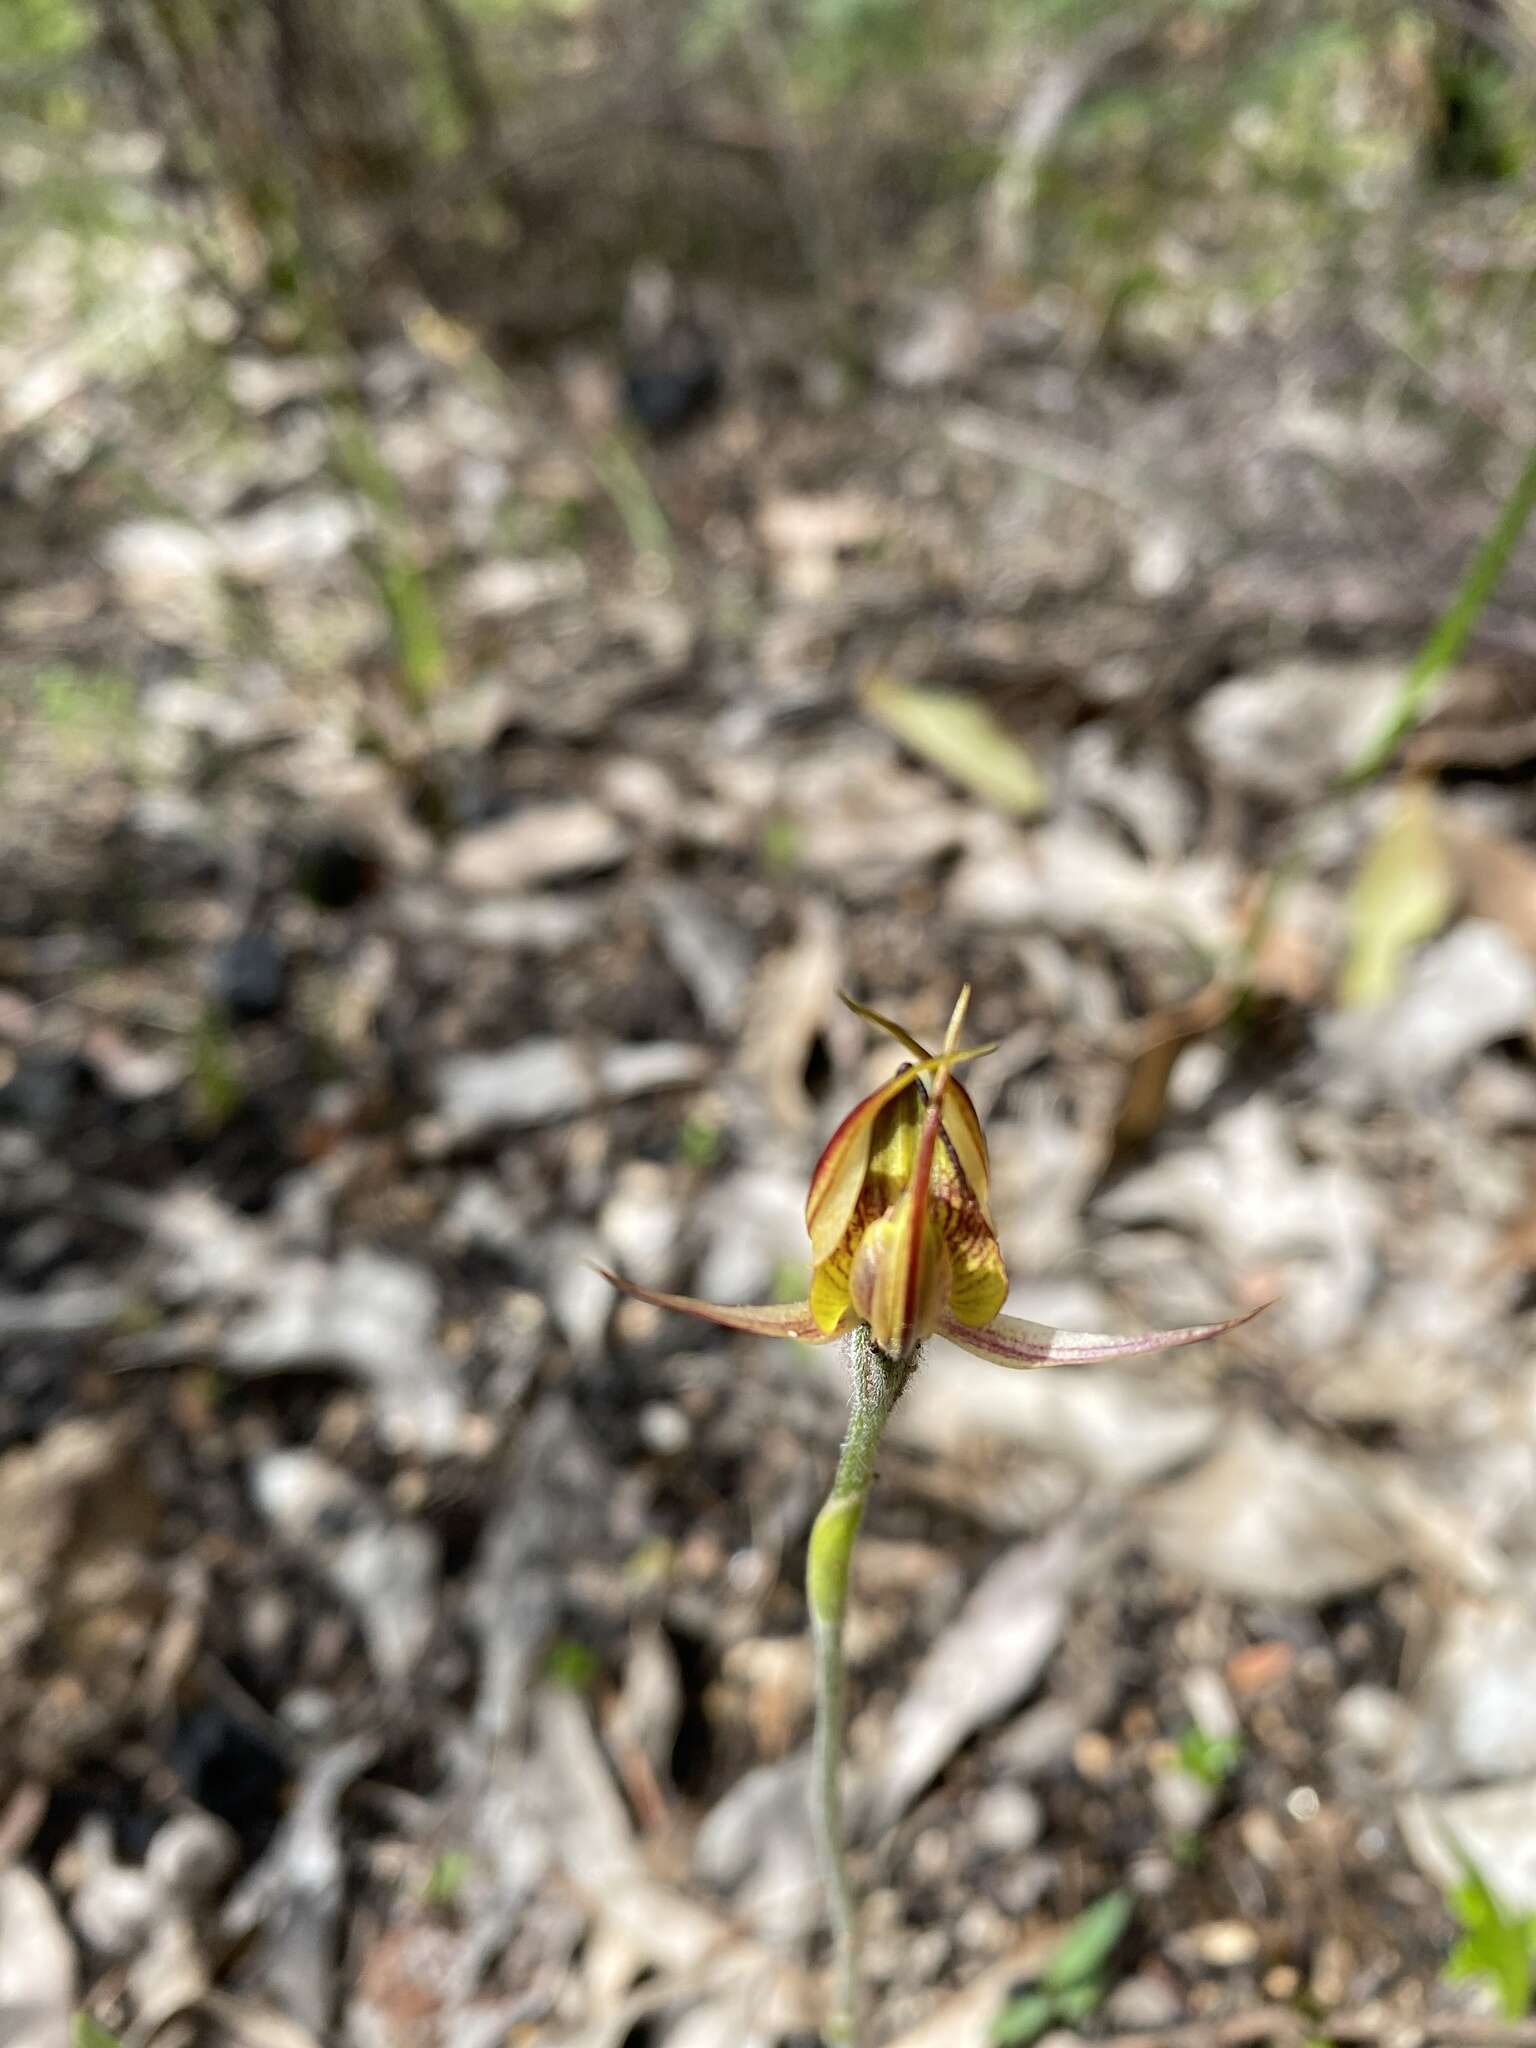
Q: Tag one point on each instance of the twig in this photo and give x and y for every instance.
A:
(1052, 97)
(1473, 746)
(1366, 2024)
(20, 1821)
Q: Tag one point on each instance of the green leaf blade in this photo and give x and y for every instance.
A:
(1088, 1943)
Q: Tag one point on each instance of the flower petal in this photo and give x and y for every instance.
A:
(764, 1319)
(839, 1173)
(978, 1279)
(1010, 1340)
(900, 1277)
(830, 1299)
(961, 1123)
(902, 1037)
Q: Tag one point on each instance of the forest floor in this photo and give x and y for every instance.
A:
(401, 1638)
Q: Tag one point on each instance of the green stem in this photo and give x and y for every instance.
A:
(875, 1387)
(1454, 625)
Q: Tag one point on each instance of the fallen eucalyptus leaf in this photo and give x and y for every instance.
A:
(1271, 1517)
(984, 1662)
(37, 1965)
(1157, 1043)
(369, 1314)
(958, 735)
(1403, 893)
(961, 2021)
(385, 1569)
(1499, 878)
(1493, 1826)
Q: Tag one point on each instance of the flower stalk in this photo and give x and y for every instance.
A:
(875, 1385)
(902, 1248)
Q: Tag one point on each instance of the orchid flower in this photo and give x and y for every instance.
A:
(901, 1232)
(902, 1247)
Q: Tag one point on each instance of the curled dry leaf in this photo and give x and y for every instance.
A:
(789, 1008)
(1157, 1043)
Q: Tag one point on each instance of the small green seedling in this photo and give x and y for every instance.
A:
(780, 845)
(447, 1878)
(1497, 1946)
(1073, 1983)
(700, 1141)
(573, 1664)
(216, 1078)
(1211, 1759)
(84, 2032)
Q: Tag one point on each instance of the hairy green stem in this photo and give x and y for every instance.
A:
(875, 1384)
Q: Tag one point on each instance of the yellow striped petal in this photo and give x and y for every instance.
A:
(900, 1279)
(841, 1169)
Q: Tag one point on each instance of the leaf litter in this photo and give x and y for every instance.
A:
(318, 1342)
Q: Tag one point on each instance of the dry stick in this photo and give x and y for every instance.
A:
(459, 52)
(1048, 104)
(1445, 643)
(1284, 2023)
(20, 1821)
(875, 1384)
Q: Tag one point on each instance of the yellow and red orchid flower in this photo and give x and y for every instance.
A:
(901, 1232)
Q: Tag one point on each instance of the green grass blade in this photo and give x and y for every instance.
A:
(1450, 635)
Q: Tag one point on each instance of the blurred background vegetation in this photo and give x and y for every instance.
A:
(1081, 355)
(486, 175)
(510, 159)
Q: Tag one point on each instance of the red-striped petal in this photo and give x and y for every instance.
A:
(758, 1319)
(839, 1172)
(900, 1277)
(1010, 1340)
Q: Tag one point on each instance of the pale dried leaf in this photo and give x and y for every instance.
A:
(1272, 1517)
(37, 1965)
(1493, 1825)
(988, 1658)
(368, 1314)
(385, 1569)
(1402, 894)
